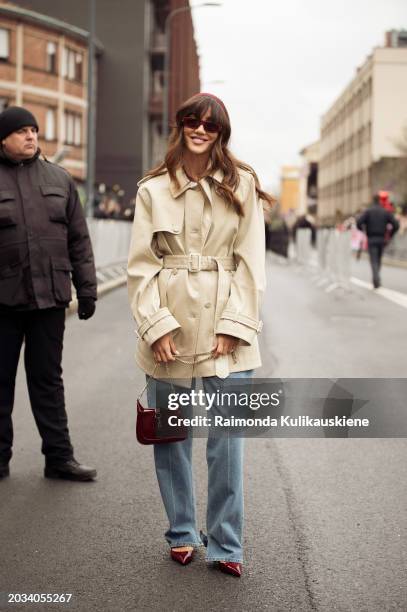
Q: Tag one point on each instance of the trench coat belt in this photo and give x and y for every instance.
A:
(195, 262)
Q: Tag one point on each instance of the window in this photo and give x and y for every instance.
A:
(50, 124)
(51, 57)
(77, 130)
(4, 45)
(72, 63)
(78, 66)
(73, 129)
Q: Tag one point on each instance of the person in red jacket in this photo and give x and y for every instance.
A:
(375, 222)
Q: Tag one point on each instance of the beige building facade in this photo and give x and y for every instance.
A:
(360, 130)
(290, 189)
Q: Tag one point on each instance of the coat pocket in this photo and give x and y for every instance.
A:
(61, 279)
(7, 213)
(56, 200)
(11, 285)
(7, 217)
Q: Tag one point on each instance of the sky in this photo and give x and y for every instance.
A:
(279, 65)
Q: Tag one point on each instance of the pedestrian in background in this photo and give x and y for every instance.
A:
(196, 274)
(375, 221)
(43, 239)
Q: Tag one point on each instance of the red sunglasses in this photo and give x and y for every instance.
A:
(193, 123)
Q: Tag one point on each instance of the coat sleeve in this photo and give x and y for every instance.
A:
(142, 276)
(361, 221)
(80, 247)
(240, 317)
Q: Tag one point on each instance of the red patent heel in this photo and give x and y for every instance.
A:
(182, 556)
(231, 567)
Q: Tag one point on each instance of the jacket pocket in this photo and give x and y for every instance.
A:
(56, 199)
(10, 270)
(61, 279)
(12, 291)
(7, 217)
(7, 214)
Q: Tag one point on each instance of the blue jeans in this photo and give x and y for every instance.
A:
(224, 455)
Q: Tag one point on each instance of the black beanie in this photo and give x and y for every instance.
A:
(14, 118)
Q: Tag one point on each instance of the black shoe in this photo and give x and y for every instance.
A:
(69, 470)
(4, 470)
(204, 538)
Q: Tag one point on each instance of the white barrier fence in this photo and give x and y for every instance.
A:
(303, 245)
(110, 240)
(333, 256)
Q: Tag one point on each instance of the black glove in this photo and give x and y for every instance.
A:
(86, 307)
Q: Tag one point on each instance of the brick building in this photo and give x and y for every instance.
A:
(129, 103)
(183, 72)
(43, 67)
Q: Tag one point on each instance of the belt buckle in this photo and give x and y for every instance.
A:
(194, 262)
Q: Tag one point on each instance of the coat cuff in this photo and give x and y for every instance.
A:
(239, 325)
(160, 323)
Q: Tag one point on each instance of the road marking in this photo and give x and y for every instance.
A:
(388, 294)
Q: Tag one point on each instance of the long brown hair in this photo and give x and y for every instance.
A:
(220, 157)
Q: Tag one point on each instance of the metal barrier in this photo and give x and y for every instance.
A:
(322, 248)
(303, 245)
(397, 248)
(110, 241)
(334, 259)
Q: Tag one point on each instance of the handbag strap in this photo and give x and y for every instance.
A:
(193, 362)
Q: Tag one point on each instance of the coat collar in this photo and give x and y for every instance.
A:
(185, 183)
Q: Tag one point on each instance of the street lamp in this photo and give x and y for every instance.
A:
(167, 54)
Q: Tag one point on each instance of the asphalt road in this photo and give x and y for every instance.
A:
(325, 522)
(392, 277)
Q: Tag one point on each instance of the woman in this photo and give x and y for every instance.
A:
(196, 274)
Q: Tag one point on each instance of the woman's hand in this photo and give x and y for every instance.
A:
(164, 349)
(224, 345)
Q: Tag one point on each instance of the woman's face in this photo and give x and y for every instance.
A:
(198, 140)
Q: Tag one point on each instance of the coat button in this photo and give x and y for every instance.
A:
(208, 305)
(175, 271)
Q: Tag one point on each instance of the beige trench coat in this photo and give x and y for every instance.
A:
(196, 304)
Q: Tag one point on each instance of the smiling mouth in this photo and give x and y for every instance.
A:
(198, 140)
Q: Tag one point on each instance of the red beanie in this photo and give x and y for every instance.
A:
(218, 100)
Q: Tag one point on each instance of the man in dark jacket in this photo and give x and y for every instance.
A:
(43, 240)
(374, 222)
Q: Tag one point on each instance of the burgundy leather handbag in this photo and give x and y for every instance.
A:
(149, 423)
(150, 426)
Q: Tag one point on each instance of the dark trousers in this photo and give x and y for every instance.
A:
(375, 254)
(43, 332)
